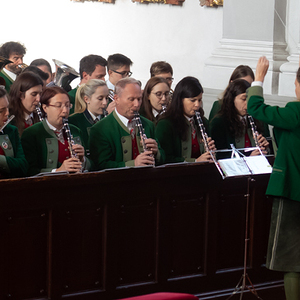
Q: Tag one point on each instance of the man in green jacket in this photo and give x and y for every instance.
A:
(115, 141)
(14, 52)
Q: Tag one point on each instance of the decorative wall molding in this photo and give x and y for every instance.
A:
(211, 3)
(173, 2)
(107, 1)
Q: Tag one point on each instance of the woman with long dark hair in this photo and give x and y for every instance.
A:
(178, 131)
(240, 72)
(24, 97)
(231, 125)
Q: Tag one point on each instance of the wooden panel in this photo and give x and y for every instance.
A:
(137, 244)
(78, 249)
(186, 245)
(24, 264)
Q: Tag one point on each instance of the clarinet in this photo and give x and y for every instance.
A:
(39, 112)
(253, 129)
(111, 95)
(203, 132)
(69, 137)
(140, 127)
(7, 122)
(205, 141)
(163, 110)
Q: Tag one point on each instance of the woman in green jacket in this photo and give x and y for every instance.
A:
(90, 106)
(231, 125)
(284, 239)
(178, 131)
(46, 144)
(12, 158)
(156, 97)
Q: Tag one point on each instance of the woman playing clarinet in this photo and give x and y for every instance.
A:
(178, 131)
(47, 144)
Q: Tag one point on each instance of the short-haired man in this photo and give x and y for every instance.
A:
(162, 69)
(118, 67)
(115, 141)
(14, 52)
(90, 67)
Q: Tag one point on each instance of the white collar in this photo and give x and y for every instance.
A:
(154, 112)
(110, 85)
(93, 116)
(123, 119)
(52, 127)
(27, 116)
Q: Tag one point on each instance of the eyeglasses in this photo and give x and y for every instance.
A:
(61, 106)
(124, 73)
(160, 95)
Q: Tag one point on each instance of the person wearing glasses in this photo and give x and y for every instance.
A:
(24, 97)
(90, 67)
(162, 69)
(45, 144)
(155, 98)
(115, 141)
(178, 131)
(118, 67)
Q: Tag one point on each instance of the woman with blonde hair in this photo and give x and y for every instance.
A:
(90, 106)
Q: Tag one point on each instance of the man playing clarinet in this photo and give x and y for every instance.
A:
(116, 142)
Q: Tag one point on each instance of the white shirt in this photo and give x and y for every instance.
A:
(93, 116)
(155, 112)
(110, 85)
(123, 119)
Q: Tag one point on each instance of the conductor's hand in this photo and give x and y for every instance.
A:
(72, 165)
(79, 150)
(151, 145)
(144, 159)
(111, 106)
(261, 69)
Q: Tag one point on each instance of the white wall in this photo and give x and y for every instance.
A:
(184, 36)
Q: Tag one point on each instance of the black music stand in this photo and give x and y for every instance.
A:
(245, 166)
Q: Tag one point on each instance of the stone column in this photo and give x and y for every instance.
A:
(289, 69)
(250, 29)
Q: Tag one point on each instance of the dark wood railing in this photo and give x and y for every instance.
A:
(134, 231)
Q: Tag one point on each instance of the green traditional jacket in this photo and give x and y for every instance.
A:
(13, 163)
(223, 137)
(8, 80)
(41, 147)
(111, 146)
(285, 178)
(216, 107)
(84, 122)
(72, 95)
(177, 150)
